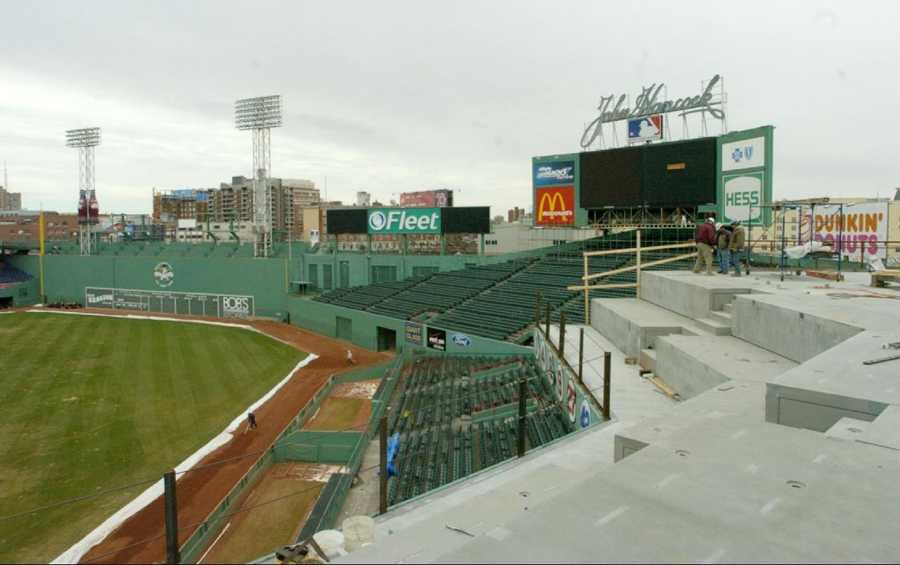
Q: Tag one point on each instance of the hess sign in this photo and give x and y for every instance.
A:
(555, 206)
(404, 220)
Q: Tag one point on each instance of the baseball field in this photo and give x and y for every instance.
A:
(94, 403)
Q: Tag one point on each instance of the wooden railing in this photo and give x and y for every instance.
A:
(586, 287)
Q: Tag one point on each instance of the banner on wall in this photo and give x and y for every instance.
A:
(437, 339)
(744, 154)
(858, 231)
(742, 196)
(554, 206)
(414, 334)
(572, 397)
(553, 173)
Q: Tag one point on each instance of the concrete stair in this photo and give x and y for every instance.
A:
(713, 326)
(722, 317)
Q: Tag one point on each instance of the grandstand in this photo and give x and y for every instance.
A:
(11, 275)
(498, 301)
(458, 415)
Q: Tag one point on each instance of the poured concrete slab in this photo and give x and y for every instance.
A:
(632, 324)
(836, 384)
(693, 295)
(692, 365)
(725, 488)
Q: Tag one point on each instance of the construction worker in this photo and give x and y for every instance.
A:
(723, 240)
(738, 238)
(705, 236)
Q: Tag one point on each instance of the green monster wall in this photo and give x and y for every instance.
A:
(66, 276)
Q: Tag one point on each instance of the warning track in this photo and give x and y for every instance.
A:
(200, 491)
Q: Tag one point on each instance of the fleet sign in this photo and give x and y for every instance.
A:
(383, 221)
(554, 206)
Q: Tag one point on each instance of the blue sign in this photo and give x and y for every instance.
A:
(647, 128)
(461, 340)
(551, 173)
(393, 447)
(584, 418)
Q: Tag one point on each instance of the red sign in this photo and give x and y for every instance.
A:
(554, 206)
(427, 199)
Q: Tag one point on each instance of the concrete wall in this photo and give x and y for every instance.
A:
(322, 318)
(684, 297)
(793, 334)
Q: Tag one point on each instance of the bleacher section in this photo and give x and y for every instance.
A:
(458, 415)
(11, 275)
(498, 301)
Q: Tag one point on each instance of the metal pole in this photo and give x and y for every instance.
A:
(607, 369)
(547, 326)
(523, 390)
(637, 280)
(562, 335)
(581, 356)
(171, 509)
(537, 311)
(841, 244)
(383, 478)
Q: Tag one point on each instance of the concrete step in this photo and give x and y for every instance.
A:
(714, 327)
(722, 317)
(647, 360)
(728, 307)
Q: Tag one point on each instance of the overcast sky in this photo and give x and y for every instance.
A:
(396, 96)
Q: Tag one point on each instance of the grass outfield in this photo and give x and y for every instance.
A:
(90, 403)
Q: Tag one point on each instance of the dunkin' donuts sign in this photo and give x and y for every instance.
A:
(861, 229)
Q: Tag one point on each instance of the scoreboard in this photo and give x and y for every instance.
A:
(188, 303)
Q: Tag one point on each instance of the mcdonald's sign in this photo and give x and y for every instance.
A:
(555, 206)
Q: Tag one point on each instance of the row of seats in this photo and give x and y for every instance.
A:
(457, 415)
(222, 250)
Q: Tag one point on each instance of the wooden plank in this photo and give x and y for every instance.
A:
(596, 286)
(643, 266)
(643, 249)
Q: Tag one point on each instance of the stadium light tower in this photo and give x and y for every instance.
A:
(85, 140)
(260, 115)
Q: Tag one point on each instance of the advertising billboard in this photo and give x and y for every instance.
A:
(556, 173)
(466, 219)
(742, 195)
(555, 206)
(427, 199)
(437, 339)
(192, 303)
(384, 221)
(859, 231)
(647, 128)
(744, 154)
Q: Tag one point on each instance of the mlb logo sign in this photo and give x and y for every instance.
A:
(648, 128)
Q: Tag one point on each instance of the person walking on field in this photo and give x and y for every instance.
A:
(738, 238)
(350, 359)
(723, 240)
(705, 237)
(251, 421)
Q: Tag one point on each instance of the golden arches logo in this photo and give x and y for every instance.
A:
(552, 208)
